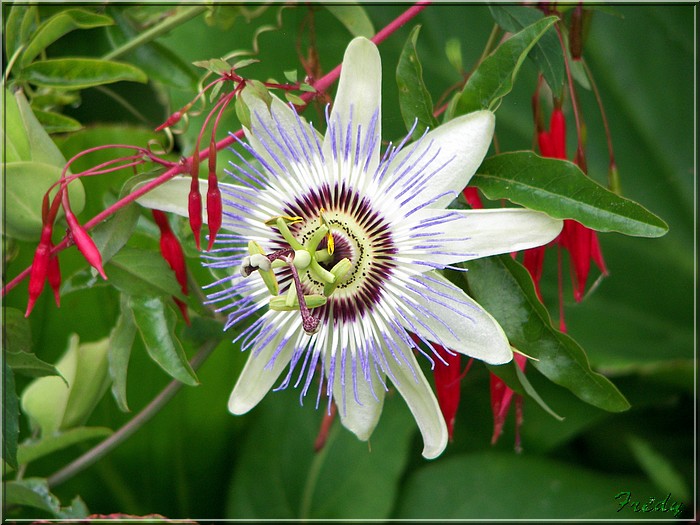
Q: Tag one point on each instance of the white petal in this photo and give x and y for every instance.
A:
(358, 99)
(463, 235)
(421, 401)
(439, 311)
(257, 378)
(462, 144)
(359, 418)
(280, 137)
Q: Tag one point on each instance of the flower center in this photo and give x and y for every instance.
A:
(336, 253)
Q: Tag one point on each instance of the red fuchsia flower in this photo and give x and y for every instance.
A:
(85, 243)
(171, 250)
(501, 398)
(40, 267)
(194, 200)
(54, 276)
(580, 241)
(214, 211)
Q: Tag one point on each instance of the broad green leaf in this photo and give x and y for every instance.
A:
(560, 189)
(34, 492)
(59, 25)
(156, 321)
(34, 449)
(348, 479)
(157, 61)
(57, 123)
(501, 486)
(135, 271)
(80, 73)
(19, 26)
(121, 340)
(10, 416)
(505, 289)
(659, 469)
(414, 99)
(52, 405)
(17, 335)
(25, 186)
(354, 18)
(41, 147)
(38, 164)
(111, 235)
(494, 77)
(547, 53)
(29, 364)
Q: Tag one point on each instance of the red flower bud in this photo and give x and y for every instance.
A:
(214, 211)
(194, 202)
(171, 250)
(40, 267)
(54, 276)
(501, 398)
(171, 121)
(85, 243)
(447, 385)
(471, 194)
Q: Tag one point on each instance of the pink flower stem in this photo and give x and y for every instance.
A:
(322, 84)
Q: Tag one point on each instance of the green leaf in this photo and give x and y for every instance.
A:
(34, 492)
(157, 61)
(494, 77)
(19, 27)
(10, 416)
(547, 53)
(121, 340)
(34, 449)
(414, 99)
(517, 381)
(57, 123)
(500, 486)
(80, 73)
(505, 289)
(29, 364)
(17, 331)
(284, 479)
(659, 469)
(25, 186)
(156, 321)
(560, 189)
(59, 25)
(111, 235)
(52, 405)
(37, 165)
(354, 18)
(135, 271)
(453, 52)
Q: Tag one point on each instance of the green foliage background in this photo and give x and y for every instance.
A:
(196, 460)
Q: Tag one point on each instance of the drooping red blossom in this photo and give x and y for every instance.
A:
(501, 398)
(171, 250)
(40, 267)
(194, 200)
(448, 377)
(85, 243)
(580, 241)
(214, 210)
(54, 276)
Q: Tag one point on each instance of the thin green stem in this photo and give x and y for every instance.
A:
(140, 419)
(313, 475)
(156, 31)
